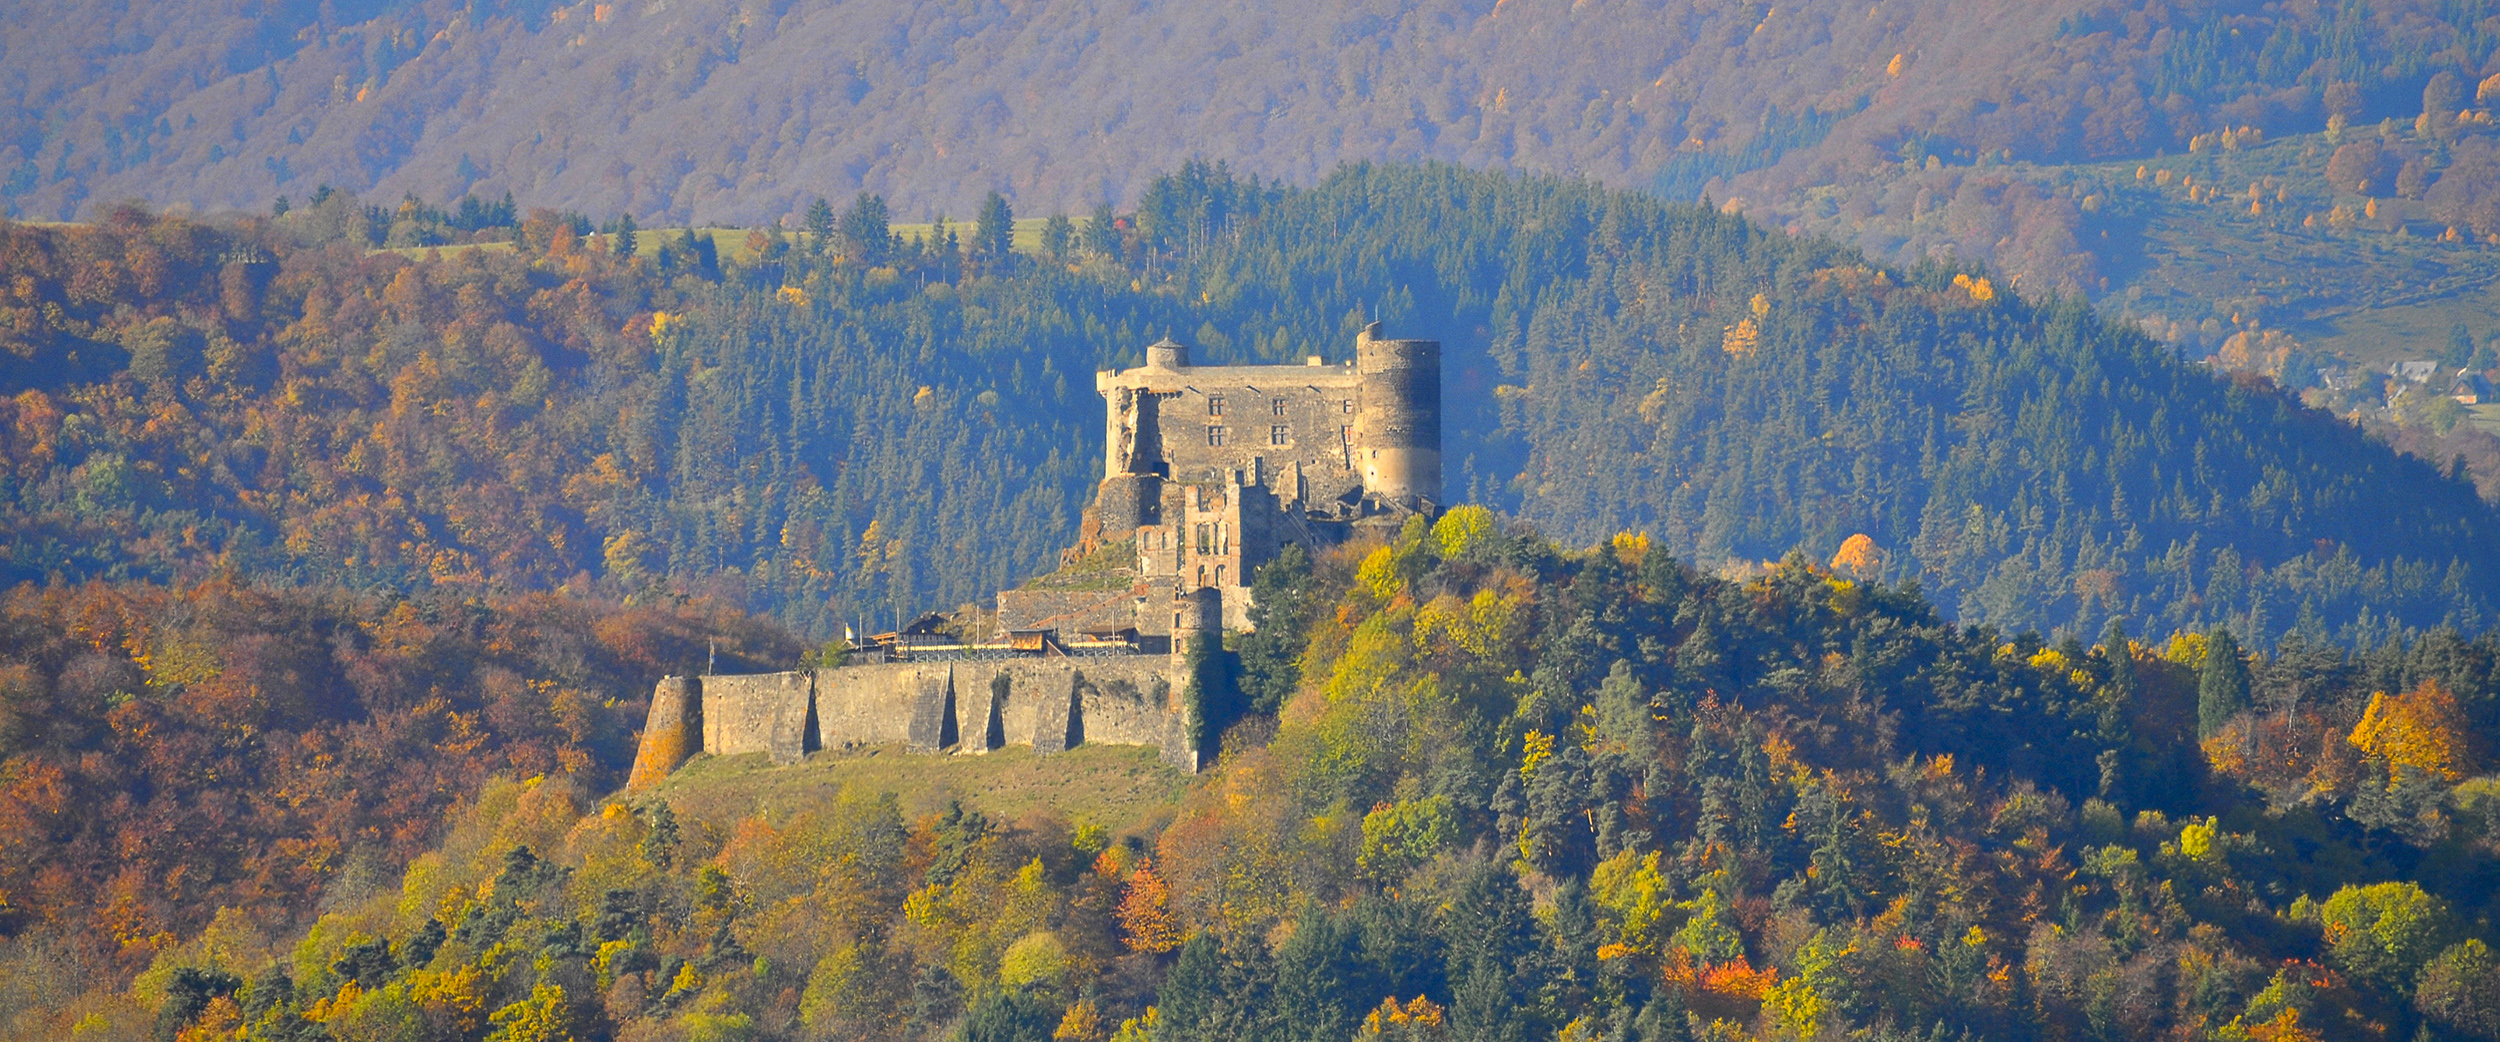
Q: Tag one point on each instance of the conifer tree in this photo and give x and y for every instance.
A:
(2222, 684)
(866, 230)
(1058, 236)
(994, 231)
(820, 227)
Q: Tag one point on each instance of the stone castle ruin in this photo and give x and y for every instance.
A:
(1208, 471)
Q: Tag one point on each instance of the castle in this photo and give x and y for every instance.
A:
(1208, 471)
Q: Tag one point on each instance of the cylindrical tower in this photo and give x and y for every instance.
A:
(1399, 430)
(1197, 613)
(1167, 353)
(673, 731)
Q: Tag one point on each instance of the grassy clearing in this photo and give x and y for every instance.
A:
(1124, 789)
(2374, 290)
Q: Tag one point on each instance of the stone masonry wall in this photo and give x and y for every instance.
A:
(968, 707)
(763, 713)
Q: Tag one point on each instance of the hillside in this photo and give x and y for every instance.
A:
(863, 431)
(721, 110)
(1517, 793)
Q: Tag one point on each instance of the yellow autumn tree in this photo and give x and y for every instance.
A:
(1858, 557)
(2419, 730)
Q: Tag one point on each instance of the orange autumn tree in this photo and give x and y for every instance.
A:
(1146, 913)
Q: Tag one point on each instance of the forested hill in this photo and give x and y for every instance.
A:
(740, 109)
(853, 428)
(1516, 793)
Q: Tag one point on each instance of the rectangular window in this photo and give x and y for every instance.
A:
(1215, 405)
(1279, 405)
(1204, 543)
(1349, 406)
(1215, 436)
(1219, 575)
(1279, 434)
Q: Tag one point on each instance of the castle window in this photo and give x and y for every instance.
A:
(1205, 546)
(1215, 437)
(1278, 404)
(1349, 406)
(1215, 405)
(1219, 575)
(1279, 434)
(1202, 576)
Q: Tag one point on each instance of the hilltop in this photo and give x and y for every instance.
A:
(1516, 792)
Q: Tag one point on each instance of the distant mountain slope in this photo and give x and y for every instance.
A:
(746, 109)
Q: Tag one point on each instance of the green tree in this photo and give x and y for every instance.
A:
(866, 229)
(994, 231)
(627, 241)
(2221, 683)
(2384, 932)
(1281, 602)
(1321, 982)
(821, 226)
(2460, 991)
(1102, 232)
(2460, 350)
(1058, 236)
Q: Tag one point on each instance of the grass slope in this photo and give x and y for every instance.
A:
(1122, 789)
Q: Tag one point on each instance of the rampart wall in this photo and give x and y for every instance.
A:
(963, 707)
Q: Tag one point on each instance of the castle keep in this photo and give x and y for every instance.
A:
(1207, 472)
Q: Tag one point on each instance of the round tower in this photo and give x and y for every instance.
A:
(1197, 613)
(1399, 430)
(1167, 353)
(673, 732)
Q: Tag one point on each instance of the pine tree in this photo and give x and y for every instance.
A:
(625, 242)
(2222, 684)
(994, 231)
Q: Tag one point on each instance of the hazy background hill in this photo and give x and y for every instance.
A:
(745, 109)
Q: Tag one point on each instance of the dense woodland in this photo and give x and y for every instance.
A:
(1516, 793)
(839, 427)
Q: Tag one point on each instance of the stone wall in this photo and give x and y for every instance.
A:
(966, 707)
(766, 713)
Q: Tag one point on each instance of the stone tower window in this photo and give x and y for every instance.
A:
(1215, 405)
(1219, 575)
(1215, 436)
(1277, 405)
(1279, 434)
(1349, 406)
